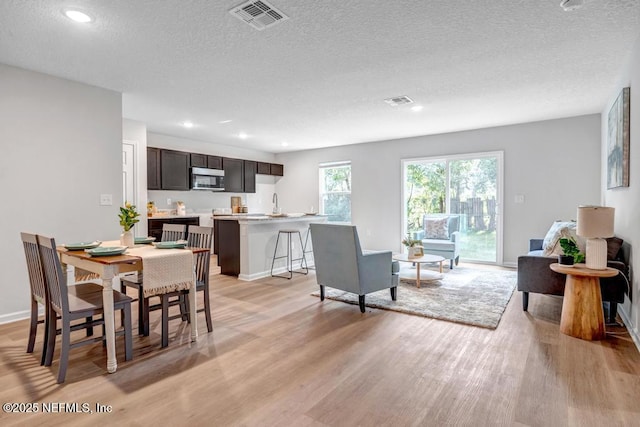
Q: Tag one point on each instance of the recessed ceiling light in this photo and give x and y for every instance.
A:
(243, 135)
(569, 5)
(417, 108)
(77, 16)
(285, 144)
(188, 124)
(225, 121)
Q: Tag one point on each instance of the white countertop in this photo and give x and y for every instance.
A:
(265, 218)
(173, 216)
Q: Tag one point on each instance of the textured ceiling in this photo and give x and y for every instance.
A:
(319, 79)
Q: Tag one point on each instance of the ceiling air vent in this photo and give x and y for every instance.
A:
(398, 100)
(259, 14)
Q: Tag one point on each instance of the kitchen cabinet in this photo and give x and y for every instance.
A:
(198, 160)
(214, 162)
(226, 236)
(174, 170)
(170, 170)
(233, 175)
(250, 169)
(205, 161)
(155, 225)
(264, 168)
(277, 170)
(153, 168)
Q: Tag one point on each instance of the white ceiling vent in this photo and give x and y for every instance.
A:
(398, 100)
(259, 14)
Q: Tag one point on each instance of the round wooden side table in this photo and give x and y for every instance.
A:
(582, 315)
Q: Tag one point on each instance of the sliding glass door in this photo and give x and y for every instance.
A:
(469, 186)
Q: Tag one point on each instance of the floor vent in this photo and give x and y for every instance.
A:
(398, 100)
(259, 14)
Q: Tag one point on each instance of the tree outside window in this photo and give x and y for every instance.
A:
(335, 191)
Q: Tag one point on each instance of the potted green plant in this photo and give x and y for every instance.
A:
(414, 247)
(128, 218)
(571, 252)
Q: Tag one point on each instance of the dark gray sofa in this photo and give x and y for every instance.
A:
(534, 275)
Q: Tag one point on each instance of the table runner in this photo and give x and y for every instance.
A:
(165, 270)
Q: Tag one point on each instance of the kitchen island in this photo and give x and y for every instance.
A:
(245, 243)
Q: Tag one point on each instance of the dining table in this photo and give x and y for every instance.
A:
(108, 269)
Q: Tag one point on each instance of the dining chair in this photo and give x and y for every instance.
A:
(201, 237)
(71, 305)
(170, 233)
(40, 296)
(38, 290)
(198, 237)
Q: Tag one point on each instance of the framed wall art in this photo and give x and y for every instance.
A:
(618, 142)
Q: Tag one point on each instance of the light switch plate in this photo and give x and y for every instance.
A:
(106, 199)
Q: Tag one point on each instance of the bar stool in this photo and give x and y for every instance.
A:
(289, 255)
(305, 248)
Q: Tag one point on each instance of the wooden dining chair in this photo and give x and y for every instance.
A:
(40, 295)
(170, 232)
(173, 232)
(201, 237)
(38, 290)
(198, 237)
(71, 305)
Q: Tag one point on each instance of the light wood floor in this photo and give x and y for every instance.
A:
(280, 357)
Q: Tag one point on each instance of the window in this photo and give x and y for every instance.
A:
(466, 186)
(335, 191)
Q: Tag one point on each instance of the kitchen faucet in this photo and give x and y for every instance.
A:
(274, 199)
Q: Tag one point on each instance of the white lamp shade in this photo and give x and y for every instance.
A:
(595, 221)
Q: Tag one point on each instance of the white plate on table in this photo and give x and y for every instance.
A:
(144, 240)
(177, 244)
(106, 250)
(80, 246)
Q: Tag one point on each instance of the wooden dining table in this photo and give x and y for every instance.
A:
(109, 268)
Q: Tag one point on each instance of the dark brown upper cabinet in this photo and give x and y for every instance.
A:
(233, 175)
(198, 160)
(153, 168)
(250, 169)
(214, 162)
(264, 168)
(174, 170)
(277, 170)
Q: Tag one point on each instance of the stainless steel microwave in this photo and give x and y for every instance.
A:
(207, 179)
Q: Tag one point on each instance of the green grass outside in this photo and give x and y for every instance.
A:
(478, 245)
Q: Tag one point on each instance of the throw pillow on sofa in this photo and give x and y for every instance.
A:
(437, 228)
(558, 230)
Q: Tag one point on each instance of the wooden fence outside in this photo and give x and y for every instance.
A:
(476, 214)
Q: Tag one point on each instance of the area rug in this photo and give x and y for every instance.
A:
(464, 295)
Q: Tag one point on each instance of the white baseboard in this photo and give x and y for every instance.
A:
(627, 323)
(267, 273)
(14, 317)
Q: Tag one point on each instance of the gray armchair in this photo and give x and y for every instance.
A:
(341, 264)
(445, 245)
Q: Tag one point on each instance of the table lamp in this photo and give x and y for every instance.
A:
(595, 223)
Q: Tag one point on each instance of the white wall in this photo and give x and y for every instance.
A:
(627, 200)
(201, 201)
(555, 164)
(61, 148)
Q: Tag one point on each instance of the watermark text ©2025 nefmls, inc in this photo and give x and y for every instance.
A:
(56, 407)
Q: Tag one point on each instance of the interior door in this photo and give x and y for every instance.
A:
(128, 174)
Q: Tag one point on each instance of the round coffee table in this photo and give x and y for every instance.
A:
(424, 259)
